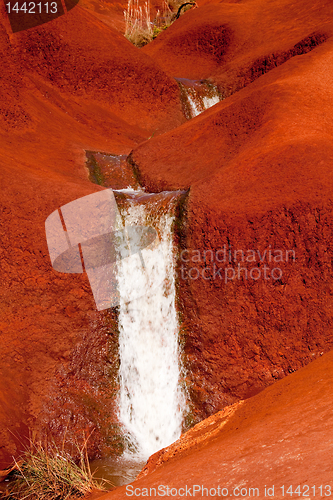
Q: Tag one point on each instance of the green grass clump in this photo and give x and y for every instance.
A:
(47, 473)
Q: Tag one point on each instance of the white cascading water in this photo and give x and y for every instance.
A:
(197, 96)
(151, 401)
(199, 105)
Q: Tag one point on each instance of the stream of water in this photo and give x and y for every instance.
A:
(151, 402)
(197, 96)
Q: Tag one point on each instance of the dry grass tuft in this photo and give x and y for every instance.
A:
(47, 473)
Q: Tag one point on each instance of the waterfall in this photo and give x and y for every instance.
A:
(151, 401)
(197, 96)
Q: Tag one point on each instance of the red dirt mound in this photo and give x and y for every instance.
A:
(259, 168)
(279, 438)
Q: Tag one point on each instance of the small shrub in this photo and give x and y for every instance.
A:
(46, 473)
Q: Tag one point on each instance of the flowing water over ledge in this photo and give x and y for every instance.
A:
(197, 96)
(151, 401)
(117, 470)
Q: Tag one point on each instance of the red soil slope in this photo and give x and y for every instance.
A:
(259, 168)
(281, 437)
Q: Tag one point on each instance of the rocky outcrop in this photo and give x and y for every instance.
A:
(200, 434)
